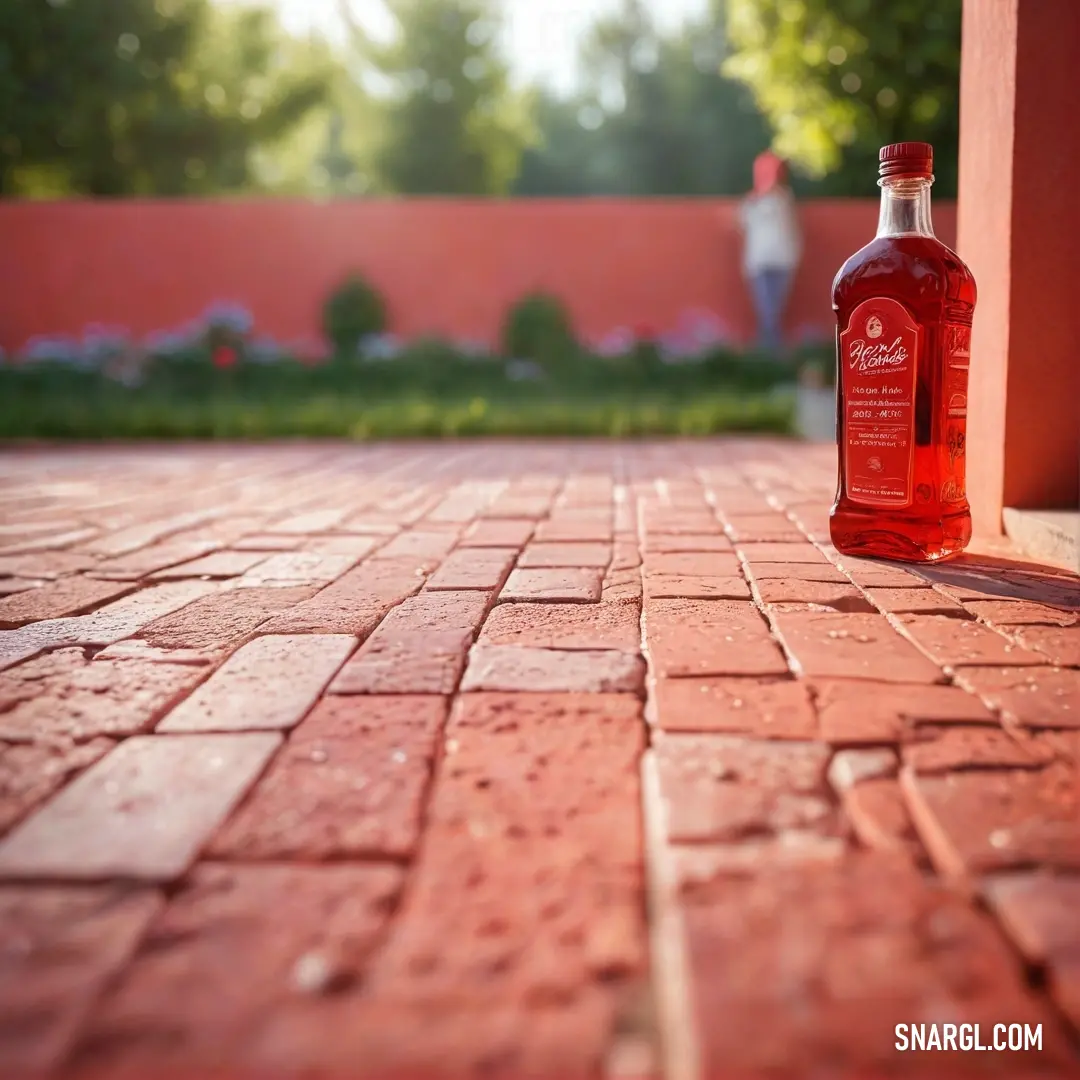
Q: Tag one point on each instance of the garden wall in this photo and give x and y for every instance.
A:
(447, 266)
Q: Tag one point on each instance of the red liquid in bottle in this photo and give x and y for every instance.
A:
(904, 305)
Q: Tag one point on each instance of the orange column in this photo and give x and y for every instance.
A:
(1019, 231)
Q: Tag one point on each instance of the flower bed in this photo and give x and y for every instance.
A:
(217, 377)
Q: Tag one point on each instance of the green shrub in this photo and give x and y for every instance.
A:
(353, 311)
(538, 328)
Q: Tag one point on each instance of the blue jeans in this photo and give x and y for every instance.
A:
(770, 288)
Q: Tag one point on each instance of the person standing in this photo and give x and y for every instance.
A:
(772, 247)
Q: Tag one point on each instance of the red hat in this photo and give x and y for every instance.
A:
(769, 170)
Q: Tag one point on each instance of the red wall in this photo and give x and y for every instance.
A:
(451, 266)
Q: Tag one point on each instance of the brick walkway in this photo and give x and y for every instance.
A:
(512, 760)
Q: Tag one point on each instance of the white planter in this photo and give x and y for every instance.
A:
(815, 413)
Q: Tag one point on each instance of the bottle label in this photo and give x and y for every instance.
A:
(879, 355)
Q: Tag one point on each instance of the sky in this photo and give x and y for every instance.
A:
(541, 36)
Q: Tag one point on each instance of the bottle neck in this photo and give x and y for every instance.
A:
(905, 207)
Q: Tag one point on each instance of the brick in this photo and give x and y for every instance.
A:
(693, 564)
(144, 652)
(518, 667)
(143, 811)
(957, 643)
(773, 528)
(915, 602)
(420, 662)
(1060, 645)
(977, 821)
(10, 586)
(268, 684)
(498, 533)
(349, 783)
(856, 944)
(47, 564)
(35, 638)
(218, 564)
(68, 596)
(685, 523)
(354, 604)
(125, 540)
(839, 597)
(312, 521)
(1039, 912)
(1035, 697)
(539, 556)
(670, 586)
(1020, 613)
(622, 587)
(521, 506)
(710, 637)
(288, 569)
(342, 543)
(437, 611)
(234, 948)
(574, 530)
(856, 712)
(473, 568)
(667, 544)
(425, 547)
(879, 817)
(776, 571)
(144, 562)
(729, 787)
(979, 746)
(48, 542)
(564, 626)
(777, 709)
(128, 615)
(536, 799)
(219, 622)
(871, 574)
(555, 585)
(267, 542)
(798, 551)
(64, 945)
(850, 645)
(32, 771)
(567, 1039)
(64, 695)
(693, 866)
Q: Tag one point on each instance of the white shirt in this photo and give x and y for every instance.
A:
(771, 231)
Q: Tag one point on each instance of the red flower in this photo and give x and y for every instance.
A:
(645, 332)
(224, 356)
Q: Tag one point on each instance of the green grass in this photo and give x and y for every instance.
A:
(431, 394)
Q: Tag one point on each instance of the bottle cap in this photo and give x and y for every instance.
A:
(906, 159)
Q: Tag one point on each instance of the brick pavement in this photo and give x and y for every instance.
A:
(551, 760)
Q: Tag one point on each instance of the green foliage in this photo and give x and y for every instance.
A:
(353, 311)
(452, 124)
(659, 117)
(145, 97)
(430, 392)
(538, 327)
(840, 78)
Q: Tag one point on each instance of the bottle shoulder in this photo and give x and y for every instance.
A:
(921, 268)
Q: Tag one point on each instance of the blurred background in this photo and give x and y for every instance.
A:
(326, 216)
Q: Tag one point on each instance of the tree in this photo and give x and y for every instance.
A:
(840, 78)
(451, 124)
(122, 97)
(659, 118)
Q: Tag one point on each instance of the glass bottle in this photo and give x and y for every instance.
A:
(904, 305)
